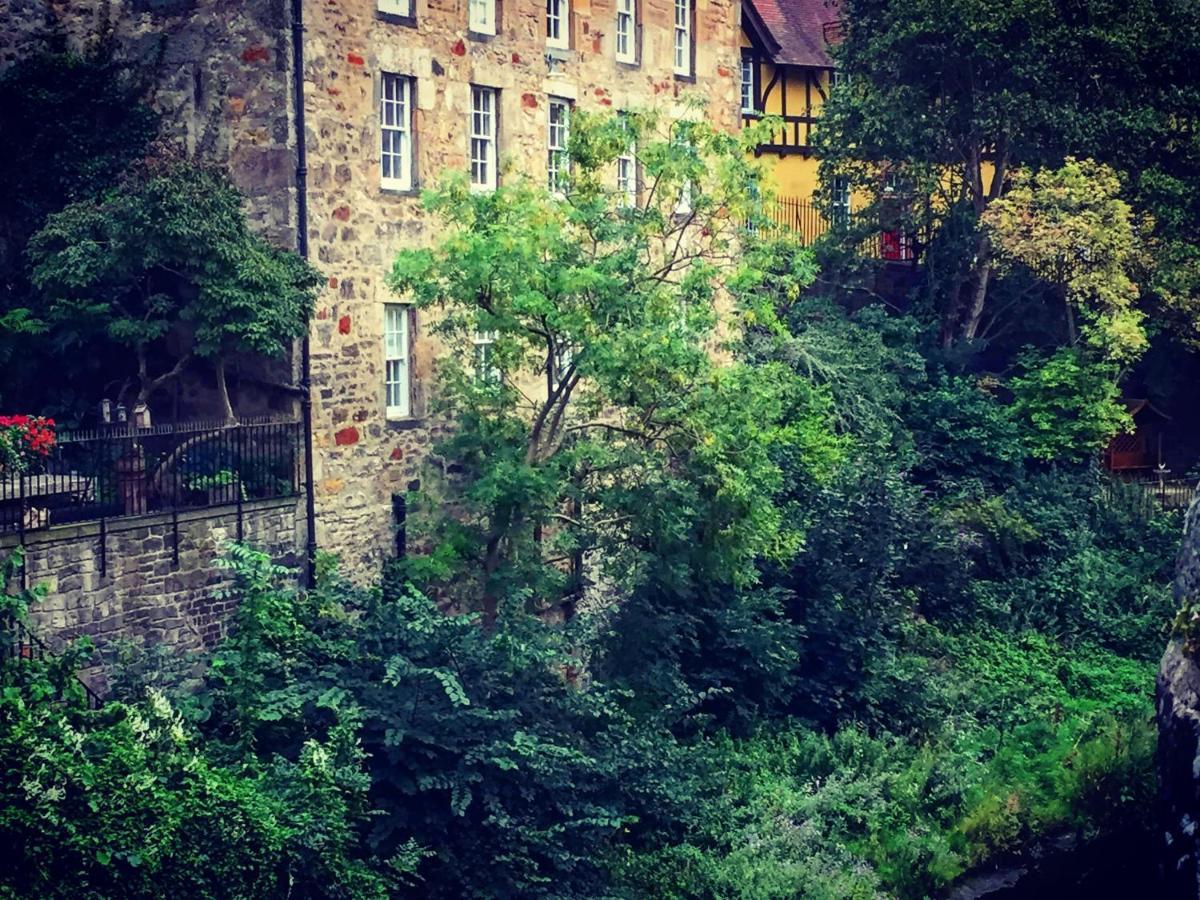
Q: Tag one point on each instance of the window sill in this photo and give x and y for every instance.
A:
(411, 423)
(391, 190)
(627, 63)
(559, 54)
(687, 79)
(482, 37)
(393, 19)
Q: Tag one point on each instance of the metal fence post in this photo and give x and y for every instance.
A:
(237, 482)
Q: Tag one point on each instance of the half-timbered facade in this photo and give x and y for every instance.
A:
(788, 72)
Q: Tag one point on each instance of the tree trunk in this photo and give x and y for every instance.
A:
(1072, 327)
(491, 563)
(223, 391)
(963, 321)
(979, 286)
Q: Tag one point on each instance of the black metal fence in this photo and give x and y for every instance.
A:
(19, 645)
(807, 223)
(120, 472)
(1145, 493)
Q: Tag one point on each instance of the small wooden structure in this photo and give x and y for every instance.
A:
(1142, 448)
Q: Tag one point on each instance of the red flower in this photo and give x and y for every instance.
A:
(34, 433)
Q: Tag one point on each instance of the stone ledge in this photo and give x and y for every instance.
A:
(85, 530)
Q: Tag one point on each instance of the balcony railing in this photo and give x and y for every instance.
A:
(802, 220)
(120, 472)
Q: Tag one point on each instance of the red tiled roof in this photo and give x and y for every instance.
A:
(798, 27)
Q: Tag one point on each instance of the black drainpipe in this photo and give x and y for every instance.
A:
(306, 413)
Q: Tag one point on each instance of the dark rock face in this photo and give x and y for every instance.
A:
(1178, 713)
(1178, 705)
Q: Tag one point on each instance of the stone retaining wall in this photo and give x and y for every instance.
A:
(138, 591)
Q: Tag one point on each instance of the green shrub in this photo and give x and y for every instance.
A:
(507, 778)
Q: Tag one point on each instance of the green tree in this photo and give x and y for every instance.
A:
(92, 121)
(949, 98)
(1071, 226)
(602, 414)
(164, 265)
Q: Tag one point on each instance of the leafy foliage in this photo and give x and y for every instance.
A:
(1071, 226)
(125, 801)
(166, 257)
(480, 748)
(93, 121)
(1068, 405)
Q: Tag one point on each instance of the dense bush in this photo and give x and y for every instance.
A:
(1033, 737)
(493, 773)
(128, 802)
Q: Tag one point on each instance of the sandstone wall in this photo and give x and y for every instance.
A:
(356, 227)
(220, 73)
(139, 590)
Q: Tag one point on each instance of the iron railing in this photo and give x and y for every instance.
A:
(120, 472)
(20, 645)
(1148, 492)
(803, 220)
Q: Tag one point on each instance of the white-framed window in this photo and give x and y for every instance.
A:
(558, 23)
(484, 112)
(395, 7)
(627, 186)
(683, 37)
(748, 92)
(839, 200)
(481, 16)
(485, 366)
(397, 349)
(558, 133)
(395, 131)
(626, 31)
(837, 78)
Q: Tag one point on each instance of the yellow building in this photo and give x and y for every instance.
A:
(787, 72)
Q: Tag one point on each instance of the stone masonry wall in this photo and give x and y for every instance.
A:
(221, 84)
(1177, 711)
(220, 80)
(356, 227)
(138, 592)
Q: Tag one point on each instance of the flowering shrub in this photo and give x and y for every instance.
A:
(24, 440)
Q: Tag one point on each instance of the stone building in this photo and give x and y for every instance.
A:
(395, 92)
(424, 75)
(220, 75)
